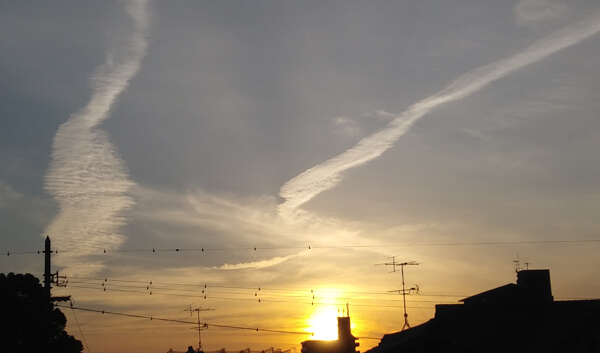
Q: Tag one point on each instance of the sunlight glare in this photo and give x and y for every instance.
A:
(323, 323)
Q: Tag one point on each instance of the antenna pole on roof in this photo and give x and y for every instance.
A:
(200, 325)
(517, 263)
(404, 291)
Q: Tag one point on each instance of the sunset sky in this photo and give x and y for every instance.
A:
(265, 159)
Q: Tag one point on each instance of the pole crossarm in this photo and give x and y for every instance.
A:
(404, 291)
(200, 325)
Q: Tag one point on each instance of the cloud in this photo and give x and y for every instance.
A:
(476, 134)
(8, 195)
(262, 263)
(561, 95)
(368, 122)
(347, 126)
(228, 227)
(86, 177)
(253, 221)
(531, 12)
(328, 174)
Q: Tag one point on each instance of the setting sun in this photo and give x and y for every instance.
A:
(323, 323)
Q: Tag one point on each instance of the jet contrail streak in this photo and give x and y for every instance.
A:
(328, 174)
(260, 264)
(86, 176)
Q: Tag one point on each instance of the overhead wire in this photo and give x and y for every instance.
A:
(259, 298)
(187, 322)
(79, 327)
(258, 293)
(309, 247)
(207, 287)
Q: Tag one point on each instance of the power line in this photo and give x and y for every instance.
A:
(207, 286)
(8, 253)
(255, 299)
(73, 281)
(357, 302)
(78, 326)
(211, 294)
(185, 322)
(256, 291)
(310, 247)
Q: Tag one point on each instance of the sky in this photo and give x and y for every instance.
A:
(266, 159)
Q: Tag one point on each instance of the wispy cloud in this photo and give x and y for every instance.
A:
(262, 263)
(86, 177)
(328, 174)
(531, 12)
(198, 219)
(8, 195)
(347, 126)
(561, 95)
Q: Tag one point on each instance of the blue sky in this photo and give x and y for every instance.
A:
(361, 129)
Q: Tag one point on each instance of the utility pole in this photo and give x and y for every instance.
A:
(395, 264)
(49, 279)
(47, 274)
(52, 278)
(200, 326)
(46, 306)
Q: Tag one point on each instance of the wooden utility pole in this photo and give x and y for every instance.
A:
(49, 279)
(47, 272)
(46, 304)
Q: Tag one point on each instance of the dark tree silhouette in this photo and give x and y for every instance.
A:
(22, 306)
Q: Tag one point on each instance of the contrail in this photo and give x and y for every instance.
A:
(86, 176)
(260, 264)
(328, 174)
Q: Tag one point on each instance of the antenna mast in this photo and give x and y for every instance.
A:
(200, 325)
(517, 264)
(395, 264)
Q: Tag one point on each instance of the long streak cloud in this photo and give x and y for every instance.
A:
(260, 264)
(86, 177)
(328, 174)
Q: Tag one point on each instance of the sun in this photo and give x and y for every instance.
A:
(323, 324)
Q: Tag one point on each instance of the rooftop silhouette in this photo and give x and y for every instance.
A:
(521, 317)
(346, 342)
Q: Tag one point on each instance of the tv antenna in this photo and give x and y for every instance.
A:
(404, 290)
(517, 264)
(201, 326)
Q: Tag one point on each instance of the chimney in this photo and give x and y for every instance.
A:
(346, 340)
(537, 281)
(343, 327)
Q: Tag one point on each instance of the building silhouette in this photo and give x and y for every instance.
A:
(346, 342)
(521, 317)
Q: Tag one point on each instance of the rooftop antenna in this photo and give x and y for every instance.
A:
(200, 325)
(403, 291)
(517, 264)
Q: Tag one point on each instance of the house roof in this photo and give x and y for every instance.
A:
(520, 317)
(514, 327)
(509, 293)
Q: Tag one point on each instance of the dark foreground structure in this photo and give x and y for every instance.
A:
(521, 317)
(346, 342)
(29, 322)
